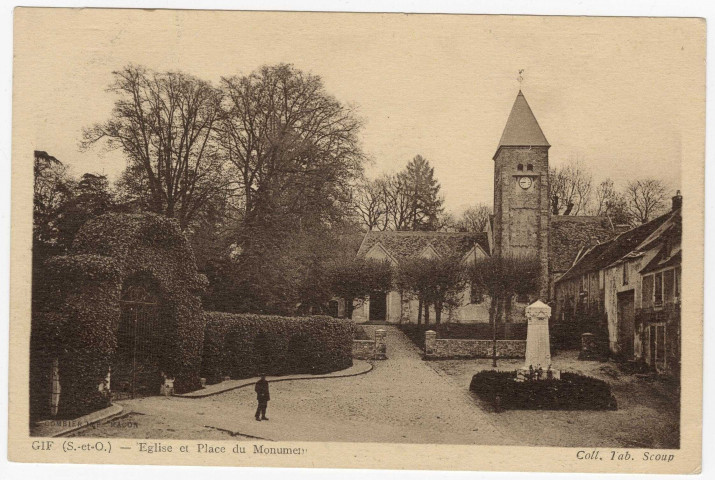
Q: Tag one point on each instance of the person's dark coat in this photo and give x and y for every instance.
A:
(262, 390)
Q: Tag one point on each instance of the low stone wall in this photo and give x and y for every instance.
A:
(371, 349)
(363, 349)
(460, 348)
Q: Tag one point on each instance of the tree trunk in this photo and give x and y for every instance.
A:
(426, 313)
(438, 313)
(349, 307)
(419, 312)
(497, 314)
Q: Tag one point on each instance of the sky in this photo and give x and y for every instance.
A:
(618, 94)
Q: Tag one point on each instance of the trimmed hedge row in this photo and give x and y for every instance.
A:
(571, 392)
(245, 345)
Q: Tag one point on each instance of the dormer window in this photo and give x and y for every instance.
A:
(530, 167)
(520, 167)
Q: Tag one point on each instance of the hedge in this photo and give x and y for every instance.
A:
(571, 392)
(245, 345)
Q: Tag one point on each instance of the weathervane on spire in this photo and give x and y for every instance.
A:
(520, 78)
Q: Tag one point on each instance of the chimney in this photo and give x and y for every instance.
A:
(677, 201)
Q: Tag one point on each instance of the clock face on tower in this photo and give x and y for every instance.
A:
(525, 182)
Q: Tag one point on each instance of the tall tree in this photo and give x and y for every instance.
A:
(294, 146)
(423, 191)
(398, 199)
(611, 203)
(570, 189)
(371, 206)
(91, 197)
(645, 199)
(165, 123)
(53, 188)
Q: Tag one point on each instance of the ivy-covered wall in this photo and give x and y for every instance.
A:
(79, 317)
(77, 328)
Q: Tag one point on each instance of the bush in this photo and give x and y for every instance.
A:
(571, 392)
(245, 345)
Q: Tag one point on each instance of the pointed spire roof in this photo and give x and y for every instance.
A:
(522, 129)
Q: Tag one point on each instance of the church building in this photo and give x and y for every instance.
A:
(522, 225)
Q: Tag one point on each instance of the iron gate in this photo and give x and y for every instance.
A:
(136, 370)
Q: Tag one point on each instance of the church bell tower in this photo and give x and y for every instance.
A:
(521, 190)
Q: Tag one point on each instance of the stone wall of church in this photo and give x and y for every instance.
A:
(522, 216)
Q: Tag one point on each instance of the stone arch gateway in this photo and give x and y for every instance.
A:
(113, 257)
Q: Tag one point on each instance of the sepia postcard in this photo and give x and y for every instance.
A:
(357, 240)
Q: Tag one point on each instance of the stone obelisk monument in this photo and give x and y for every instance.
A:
(538, 348)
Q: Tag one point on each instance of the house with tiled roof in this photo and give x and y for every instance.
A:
(397, 247)
(632, 283)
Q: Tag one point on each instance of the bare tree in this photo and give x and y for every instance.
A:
(371, 205)
(610, 203)
(165, 124)
(645, 199)
(605, 195)
(474, 218)
(570, 189)
(398, 196)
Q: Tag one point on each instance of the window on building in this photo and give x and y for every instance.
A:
(625, 273)
(658, 290)
(668, 286)
(530, 167)
(520, 167)
(647, 291)
(475, 294)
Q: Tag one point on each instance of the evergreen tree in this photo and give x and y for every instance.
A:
(423, 190)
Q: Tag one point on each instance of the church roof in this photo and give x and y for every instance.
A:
(522, 129)
(570, 234)
(407, 244)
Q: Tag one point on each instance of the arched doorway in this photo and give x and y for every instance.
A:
(140, 340)
(378, 307)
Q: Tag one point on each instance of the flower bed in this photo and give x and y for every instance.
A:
(571, 392)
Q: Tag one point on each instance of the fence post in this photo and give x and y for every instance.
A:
(430, 340)
(380, 344)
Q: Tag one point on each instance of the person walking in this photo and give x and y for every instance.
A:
(263, 397)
